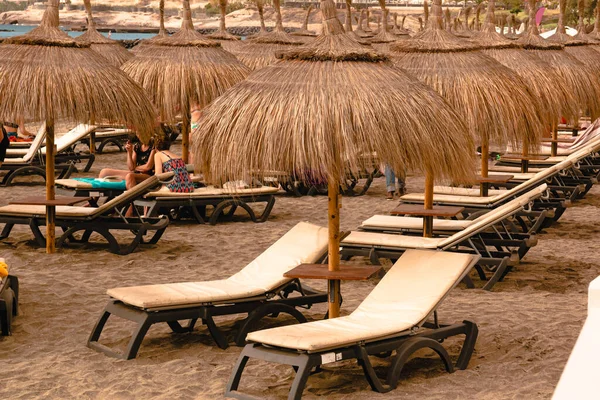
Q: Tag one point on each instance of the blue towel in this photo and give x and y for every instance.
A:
(101, 184)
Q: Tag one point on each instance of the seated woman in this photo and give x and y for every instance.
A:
(140, 164)
(167, 161)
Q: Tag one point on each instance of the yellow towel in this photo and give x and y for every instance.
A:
(3, 269)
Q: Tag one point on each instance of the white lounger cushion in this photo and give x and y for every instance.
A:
(304, 243)
(392, 240)
(73, 184)
(33, 149)
(70, 138)
(393, 222)
(40, 211)
(403, 299)
(212, 191)
(457, 191)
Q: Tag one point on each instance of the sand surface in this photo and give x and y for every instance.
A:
(528, 324)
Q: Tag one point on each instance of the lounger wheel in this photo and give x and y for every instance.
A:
(267, 309)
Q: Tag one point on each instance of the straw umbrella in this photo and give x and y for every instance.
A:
(359, 27)
(259, 51)
(318, 110)
(46, 75)
(595, 34)
(303, 31)
(110, 49)
(221, 33)
(399, 30)
(543, 81)
(260, 6)
(579, 46)
(183, 70)
(581, 79)
(162, 32)
(494, 101)
(384, 37)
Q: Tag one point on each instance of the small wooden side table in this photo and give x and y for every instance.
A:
(524, 160)
(345, 273)
(485, 182)
(427, 214)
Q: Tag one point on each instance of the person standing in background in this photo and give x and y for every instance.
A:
(390, 183)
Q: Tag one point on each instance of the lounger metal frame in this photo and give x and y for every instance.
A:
(271, 303)
(27, 169)
(9, 303)
(196, 206)
(423, 335)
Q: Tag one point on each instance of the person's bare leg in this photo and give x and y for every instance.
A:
(113, 172)
(131, 180)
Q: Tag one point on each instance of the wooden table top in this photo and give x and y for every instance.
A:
(345, 273)
(500, 178)
(58, 201)
(559, 140)
(418, 209)
(522, 157)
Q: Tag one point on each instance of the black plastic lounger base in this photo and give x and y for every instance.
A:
(256, 310)
(15, 171)
(196, 206)
(9, 303)
(404, 346)
(102, 226)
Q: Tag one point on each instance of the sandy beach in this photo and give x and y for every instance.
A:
(528, 323)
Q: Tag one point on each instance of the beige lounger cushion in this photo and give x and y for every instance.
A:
(33, 149)
(403, 299)
(304, 243)
(456, 191)
(73, 184)
(71, 137)
(40, 211)
(212, 191)
(517, 175)
(393, 222)
(391, 240)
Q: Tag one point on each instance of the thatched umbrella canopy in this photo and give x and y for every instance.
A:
(595, 33)
(184, 70)
(359, 27)
(384, 36)
(259, 51)
(221, 33)
(260, 6)
(494, 102)
(318, 109)
(399, 30)
(45, 76)
(581, 79)
(463, 30)
(110, 49)
(162, 31)
(578, 46)
(303, 31)
(543, 81)
(511, 33)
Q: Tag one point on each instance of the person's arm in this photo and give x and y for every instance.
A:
(131, 157)
(149, 166)
(157, 164)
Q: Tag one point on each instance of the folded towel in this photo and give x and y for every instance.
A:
(101, 183)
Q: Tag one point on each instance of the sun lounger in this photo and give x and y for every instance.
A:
(259, 289)
(558, 199)
(65, 147)
(109, 216)
(479, 237)
(32, 162)
(579, 378)
(224, 201)
(9, 302)
(103, 136)
(393, 319)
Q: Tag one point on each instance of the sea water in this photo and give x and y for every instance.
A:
(15, 30)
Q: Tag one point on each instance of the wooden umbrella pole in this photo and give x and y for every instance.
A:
(554, 143)
(485, 155)
(93, 136)
(185, 135)
(50, 190)
(524, 160)
(334, 246)
(428, 219)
